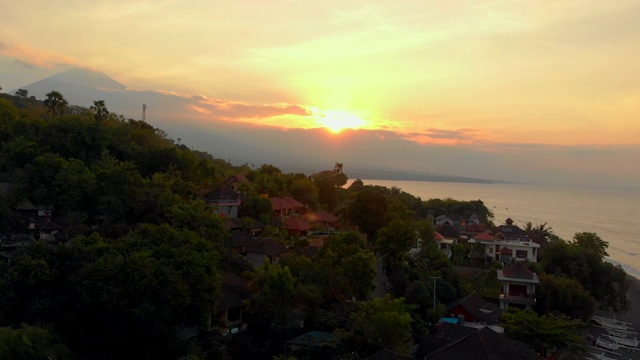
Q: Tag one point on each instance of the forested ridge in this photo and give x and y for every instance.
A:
(139, 253)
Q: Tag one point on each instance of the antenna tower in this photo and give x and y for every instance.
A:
(144, 112)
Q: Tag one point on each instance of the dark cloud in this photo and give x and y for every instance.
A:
(24, 64)
(229, 110)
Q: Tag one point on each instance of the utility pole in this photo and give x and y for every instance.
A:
(434, 289)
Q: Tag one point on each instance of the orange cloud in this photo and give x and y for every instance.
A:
(47, 59)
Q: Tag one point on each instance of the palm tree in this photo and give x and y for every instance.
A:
(55, 102)
(100, 110)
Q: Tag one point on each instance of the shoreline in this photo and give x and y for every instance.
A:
(633, 295)
(631, 316)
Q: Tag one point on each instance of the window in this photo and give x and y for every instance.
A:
(491, 250)
(521, 254)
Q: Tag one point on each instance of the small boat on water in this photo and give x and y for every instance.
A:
(618, 333)
(607, 344)
(602, 357)
(612, 324)
(623, 341)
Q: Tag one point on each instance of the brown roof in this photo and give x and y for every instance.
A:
(505, 251)
(268, 247)
(437, 236)
(230, 224)
(239, 239)
(47, 224)
(320, 216)
(448, 231)
(234, 291)
(285, 203)
(511, 231)
(484, 237)
(479, 308)
(484, 344)
(237, 178)
(388, 355)
(296, 223)
(25, 204)
(518, 270)
(477, 228)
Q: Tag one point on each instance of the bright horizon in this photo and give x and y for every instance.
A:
(551, 84)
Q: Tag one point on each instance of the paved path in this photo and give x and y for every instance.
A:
(381, 281)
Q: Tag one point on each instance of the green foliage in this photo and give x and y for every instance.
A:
(566, 296)
(100, 110)
(348, 267)
(368, 211)
(461, 208)
(270, 307)
(603, 280)
(31, 342)
(592, 242)
(328, 183)
(380, 322)
(55, 102)
(130, 292)
(396, 238)
(547, 334)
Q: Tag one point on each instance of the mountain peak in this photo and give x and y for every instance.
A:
(87, 77)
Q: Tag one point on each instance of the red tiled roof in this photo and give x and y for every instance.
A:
(237, 177)
(320, 216)
(296, 223)
(518, 270)
(476, 228)
(505, 251)
(479, 308)
(437, 236)
(284, 203)
(485, 236)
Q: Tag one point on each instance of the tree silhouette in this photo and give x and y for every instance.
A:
(22, 93)
(100, 110)
(55, 102)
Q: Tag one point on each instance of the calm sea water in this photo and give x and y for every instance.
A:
(612, 214)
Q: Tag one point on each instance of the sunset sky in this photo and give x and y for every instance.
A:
(491, 77)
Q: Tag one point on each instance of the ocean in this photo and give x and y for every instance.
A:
(613, 214)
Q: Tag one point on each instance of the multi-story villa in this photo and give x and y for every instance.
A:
(518, 286)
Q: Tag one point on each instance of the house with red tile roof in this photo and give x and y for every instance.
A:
(296, 226)
(445, 236)
(235, 181)
(321, 219)
(518, 286)
(474, 309)
(508, 236)
(286, 206)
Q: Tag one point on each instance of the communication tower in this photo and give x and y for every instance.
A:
(144, 112)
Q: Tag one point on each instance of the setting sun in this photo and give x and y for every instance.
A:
(336, 121)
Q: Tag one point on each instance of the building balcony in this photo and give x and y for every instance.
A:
(525, 299)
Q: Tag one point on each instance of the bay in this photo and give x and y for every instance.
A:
(613, 214)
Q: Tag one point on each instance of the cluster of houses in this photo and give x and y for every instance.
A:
(504, 243)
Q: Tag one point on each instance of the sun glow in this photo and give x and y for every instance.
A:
(336, 121)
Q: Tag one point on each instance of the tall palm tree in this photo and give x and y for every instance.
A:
(100, 110)
(55, 102)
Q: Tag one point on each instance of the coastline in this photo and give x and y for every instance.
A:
(633, 295)
(632, 316)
